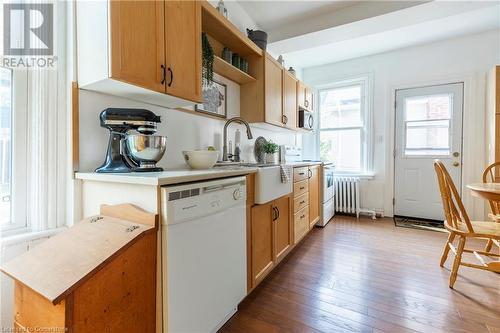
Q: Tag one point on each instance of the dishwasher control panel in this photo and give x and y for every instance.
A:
(185, 202)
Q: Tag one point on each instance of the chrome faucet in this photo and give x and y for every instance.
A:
(229, 121)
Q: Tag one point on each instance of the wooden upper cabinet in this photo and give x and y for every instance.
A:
(301, 94)
(314, 194)
(273, 91)
(308, 103)
(289, 100)
(183, 49)
(138, 42)
(282, 227)
(304, 96)
(262, 242)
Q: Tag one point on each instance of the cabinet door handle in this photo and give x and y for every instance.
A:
(277, 212)
(285, 119)
(273, 217)
(306, 103)
(310, 174)
(171, 76)
(164, 74)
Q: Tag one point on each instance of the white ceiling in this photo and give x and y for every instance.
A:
(283, 19)
(420, 24)
(271, 14)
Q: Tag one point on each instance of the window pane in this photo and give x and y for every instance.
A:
(428, 107)
(428, 137)
(341, 107)
(343, 147)
(5, 144)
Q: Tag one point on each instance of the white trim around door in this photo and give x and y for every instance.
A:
(428, 126)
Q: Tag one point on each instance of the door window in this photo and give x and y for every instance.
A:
(427, 125)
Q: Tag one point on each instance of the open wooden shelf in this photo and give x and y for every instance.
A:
(217, 26)
(230, 72)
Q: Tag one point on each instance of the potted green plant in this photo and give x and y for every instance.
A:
(207, 61)
(271, 148)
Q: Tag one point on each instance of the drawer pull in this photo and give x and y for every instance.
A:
(302, 173)
(302, 187)
(302, 216)
(302, 202)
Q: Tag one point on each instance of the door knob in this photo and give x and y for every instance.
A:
(456, 154)
(455, 164)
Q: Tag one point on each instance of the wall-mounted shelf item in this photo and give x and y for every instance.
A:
(230, 72)
(219, 28)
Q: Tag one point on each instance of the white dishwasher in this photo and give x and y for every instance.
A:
(203, 254)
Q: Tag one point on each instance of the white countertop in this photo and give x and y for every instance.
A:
(303, 163)
(168, 177)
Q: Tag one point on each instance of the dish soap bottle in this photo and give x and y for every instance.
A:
(237, 150)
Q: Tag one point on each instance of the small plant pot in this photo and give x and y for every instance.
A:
(271, 158)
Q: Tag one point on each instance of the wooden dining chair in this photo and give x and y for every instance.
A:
(492, 175)
(459, 225)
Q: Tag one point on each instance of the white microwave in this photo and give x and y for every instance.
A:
(306, 119)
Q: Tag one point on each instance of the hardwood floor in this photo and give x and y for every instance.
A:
(369, 276)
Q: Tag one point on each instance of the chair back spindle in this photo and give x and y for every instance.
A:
(454, 210)
(492, 175)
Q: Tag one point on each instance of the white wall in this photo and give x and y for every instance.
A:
(237, 15)
(467, 58)
(184, 131)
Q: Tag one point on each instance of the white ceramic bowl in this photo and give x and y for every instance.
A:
(200, 159)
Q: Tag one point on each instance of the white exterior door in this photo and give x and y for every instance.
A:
(428, 127)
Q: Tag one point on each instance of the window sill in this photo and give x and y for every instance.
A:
(26, 236)
(361, 175)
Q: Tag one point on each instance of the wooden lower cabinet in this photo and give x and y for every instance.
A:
(301, 223)
(282, 228)
(271, 236)
(307, 199)
(275, 227)
(301, 187)
(262, 242)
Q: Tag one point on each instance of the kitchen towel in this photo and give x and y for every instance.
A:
(286, 171)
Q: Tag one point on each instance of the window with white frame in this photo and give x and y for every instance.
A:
(5, 145)
(344, 125)
(13, 90)
(33, 138)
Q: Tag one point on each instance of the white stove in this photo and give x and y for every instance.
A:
(328, 194)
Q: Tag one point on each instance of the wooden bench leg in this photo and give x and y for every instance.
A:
(457, 261)
(451, 238)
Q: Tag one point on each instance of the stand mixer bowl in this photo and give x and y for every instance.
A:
(146, 149)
